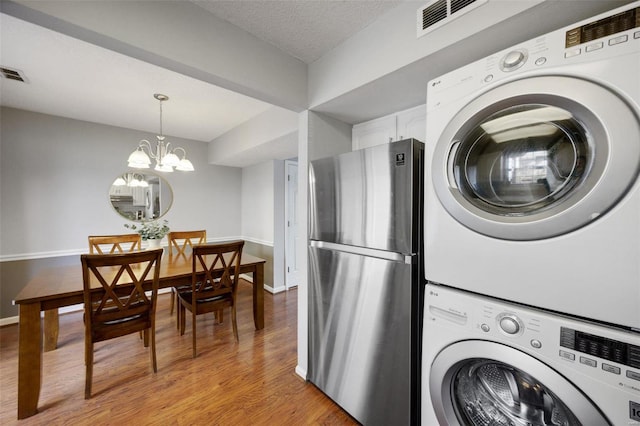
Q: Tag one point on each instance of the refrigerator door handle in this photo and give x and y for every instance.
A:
(363, 251)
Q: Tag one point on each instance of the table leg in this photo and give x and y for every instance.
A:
(29, 360)
(258, 296)
(51, 329)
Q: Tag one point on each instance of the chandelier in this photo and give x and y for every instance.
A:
(164, 154)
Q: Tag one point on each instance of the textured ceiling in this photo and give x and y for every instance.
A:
(305, 29)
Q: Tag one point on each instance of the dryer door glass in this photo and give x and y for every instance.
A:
(487, 392)
(522, 159)
(537, 157)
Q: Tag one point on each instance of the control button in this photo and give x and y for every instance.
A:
(541, 61)
(611, 368)
(636, 34)
(572, 53)
(618, 40)
(567, 355)
(509, 325)
(513, 60)
(488, 78)
(594, 46)
(536, 343)
(633, 375)
(588, 361)
(485, 328)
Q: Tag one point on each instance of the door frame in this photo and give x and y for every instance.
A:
(291, 239)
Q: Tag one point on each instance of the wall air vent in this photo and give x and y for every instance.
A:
(440, 12)
(12, 74)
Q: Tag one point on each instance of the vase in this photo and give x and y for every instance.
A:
(154, 243)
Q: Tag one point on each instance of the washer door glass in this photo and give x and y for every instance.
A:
(487, 392)
(537, 157)
(479, 382)
(522, 159)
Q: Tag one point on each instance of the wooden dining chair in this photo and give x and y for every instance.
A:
(214, 283)
(181, 244)
(110, 244)
(115, 302)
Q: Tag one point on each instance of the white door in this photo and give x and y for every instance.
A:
(291, 196)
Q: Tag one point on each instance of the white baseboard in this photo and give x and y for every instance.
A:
(8, 321)
(301, 372)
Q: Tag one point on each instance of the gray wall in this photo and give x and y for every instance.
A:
(55, 174)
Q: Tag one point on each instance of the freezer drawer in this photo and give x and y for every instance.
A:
(360, 323)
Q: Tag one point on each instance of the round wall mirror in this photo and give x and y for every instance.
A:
(140, 196)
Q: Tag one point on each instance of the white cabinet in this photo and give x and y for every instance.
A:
(122, 190)
(374, 132)
(410, 123)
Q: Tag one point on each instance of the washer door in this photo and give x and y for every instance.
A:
(537, 157)
(486, 383)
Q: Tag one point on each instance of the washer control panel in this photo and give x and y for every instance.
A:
(610, 354)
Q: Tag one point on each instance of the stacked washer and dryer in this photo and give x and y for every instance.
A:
(532, 232)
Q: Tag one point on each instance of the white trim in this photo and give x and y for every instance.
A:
(8, 321)
(257, 241)
(63, 310)
(40, 255)
(301, 372)
(77, 252)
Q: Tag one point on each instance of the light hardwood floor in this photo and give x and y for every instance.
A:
(250, 383)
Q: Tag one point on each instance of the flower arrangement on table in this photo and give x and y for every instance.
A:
(152, 230)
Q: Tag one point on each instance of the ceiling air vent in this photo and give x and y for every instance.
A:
(439, 12)
(12, 74)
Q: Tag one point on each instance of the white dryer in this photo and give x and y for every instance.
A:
(534, 153)
(487, 362)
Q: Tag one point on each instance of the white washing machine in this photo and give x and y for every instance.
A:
(487, 362)
(534, 153)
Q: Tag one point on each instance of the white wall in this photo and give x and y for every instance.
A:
(261, 132)
(181, 36)
(257, 203)
(55, 177)
(391, 42)
(319, 136)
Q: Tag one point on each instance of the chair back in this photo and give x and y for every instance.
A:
(181, 240)
(216, 270)
(110, 244)
(115, 301)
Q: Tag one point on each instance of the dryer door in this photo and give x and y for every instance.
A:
(486, 383)
(537, 157)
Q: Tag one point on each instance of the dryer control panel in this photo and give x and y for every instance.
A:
(603, 27)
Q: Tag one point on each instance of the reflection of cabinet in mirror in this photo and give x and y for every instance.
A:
(140, 196)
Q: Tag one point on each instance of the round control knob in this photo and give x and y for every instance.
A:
(513, 60)
(509, 324)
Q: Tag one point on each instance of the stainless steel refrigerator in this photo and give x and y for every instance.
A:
(366, 281)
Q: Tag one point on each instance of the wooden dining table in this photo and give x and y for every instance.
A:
(57, 287)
